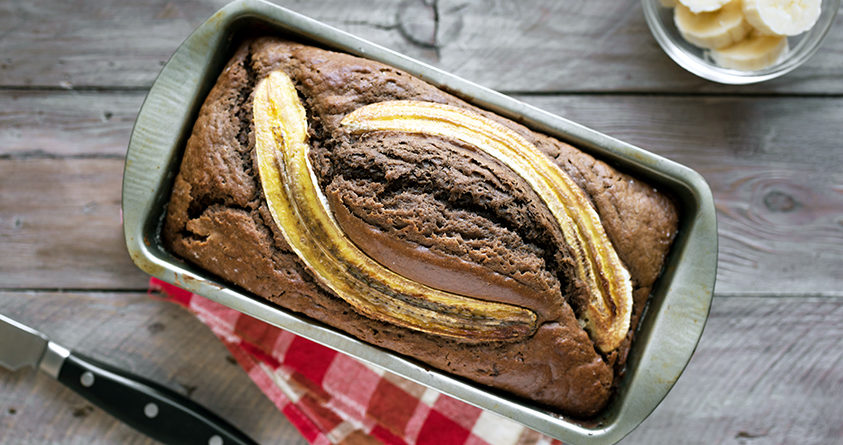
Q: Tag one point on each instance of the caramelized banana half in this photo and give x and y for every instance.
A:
(300, 209)
(607, 314)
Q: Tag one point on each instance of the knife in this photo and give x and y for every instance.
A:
(146, 406)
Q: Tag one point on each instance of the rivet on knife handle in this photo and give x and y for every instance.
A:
(150, 408)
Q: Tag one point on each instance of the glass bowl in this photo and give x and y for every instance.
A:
(698, 61)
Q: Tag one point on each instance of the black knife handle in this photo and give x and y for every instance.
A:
(148, 407)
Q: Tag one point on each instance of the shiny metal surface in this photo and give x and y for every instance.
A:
(53, 359)
(20, 345)
(667, 334)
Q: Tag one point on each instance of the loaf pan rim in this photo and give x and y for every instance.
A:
(166, 117)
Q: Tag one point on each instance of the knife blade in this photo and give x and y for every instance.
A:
(20, 346)
(149, 407)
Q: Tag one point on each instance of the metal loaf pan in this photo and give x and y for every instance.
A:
(667, 334)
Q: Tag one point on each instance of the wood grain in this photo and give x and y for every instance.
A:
(530, 45)
(149, 337)
(60, 225)
(767, 370)
(772, 163)
(73, 75)
(67, 123)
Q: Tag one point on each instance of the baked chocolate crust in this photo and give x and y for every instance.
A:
(461, 211)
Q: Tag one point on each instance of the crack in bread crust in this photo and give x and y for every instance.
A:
(459, 205)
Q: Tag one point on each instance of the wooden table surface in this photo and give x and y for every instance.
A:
(73, 74)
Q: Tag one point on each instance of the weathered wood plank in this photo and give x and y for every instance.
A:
(767, 370)
(530, 45)
(778, 195)
(604, 45)
(148, 337)
(773, 165)
(124, 44)
(60, 225)
(716, 131)
(66, 123)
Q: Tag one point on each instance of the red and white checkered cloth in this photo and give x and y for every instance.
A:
(334, 399)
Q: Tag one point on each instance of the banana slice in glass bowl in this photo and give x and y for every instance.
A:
(740, 41)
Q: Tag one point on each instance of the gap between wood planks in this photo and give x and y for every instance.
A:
(764, 367)
(523, 93)
(114, 290)
(770, 162)
(70, 290)
(513, 46)
(158, 340)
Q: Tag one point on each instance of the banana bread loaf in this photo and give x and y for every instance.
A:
(367, 199)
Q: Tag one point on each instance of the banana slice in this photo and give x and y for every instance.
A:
(756, 52)
(716, 29)
(698, 6)
(782, 17)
